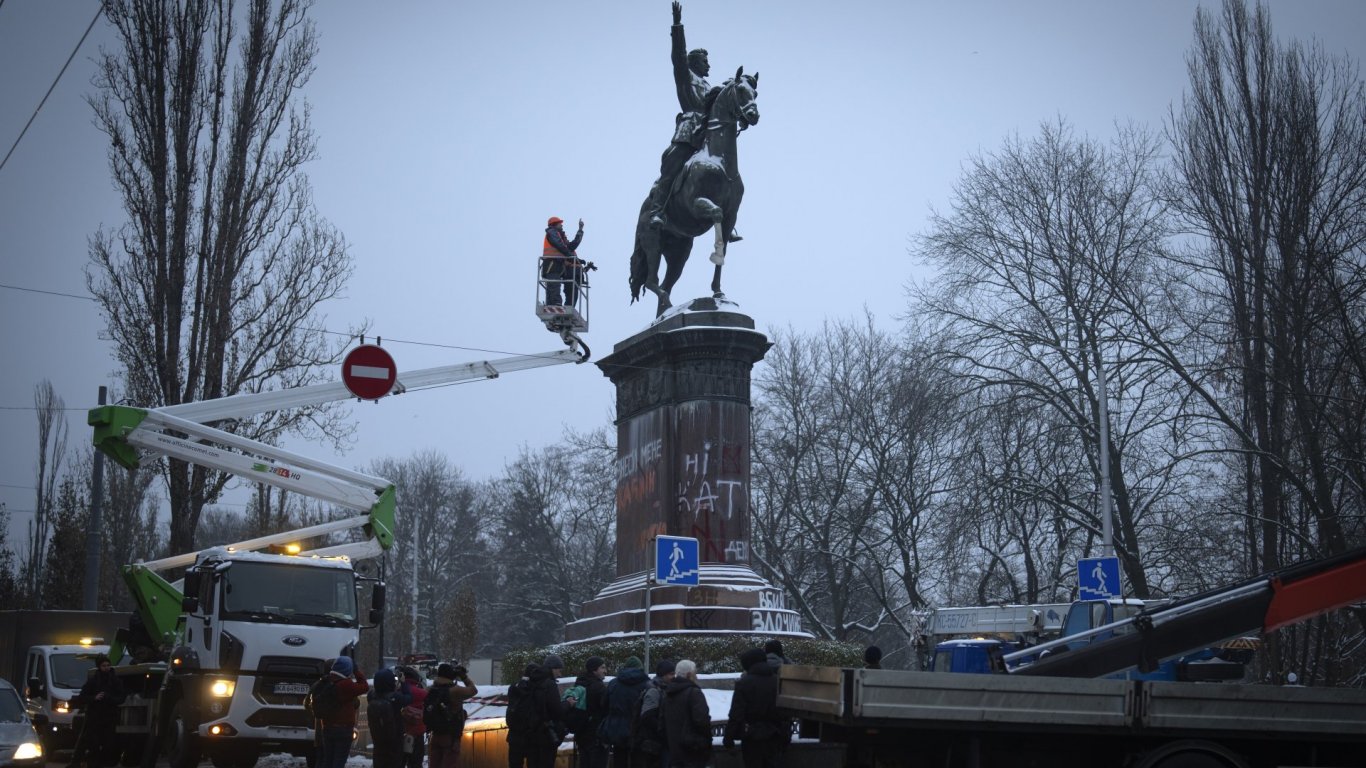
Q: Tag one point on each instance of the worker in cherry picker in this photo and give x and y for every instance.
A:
(560, 262)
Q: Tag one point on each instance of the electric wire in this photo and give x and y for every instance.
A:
(52, 87)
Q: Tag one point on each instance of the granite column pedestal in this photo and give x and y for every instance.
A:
(683, 469)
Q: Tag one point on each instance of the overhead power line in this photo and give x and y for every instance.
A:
(53, 87)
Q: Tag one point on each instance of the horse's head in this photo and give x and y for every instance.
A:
(735, 102)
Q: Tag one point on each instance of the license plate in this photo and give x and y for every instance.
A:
(294, 689)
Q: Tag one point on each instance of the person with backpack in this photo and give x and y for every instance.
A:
(585, 707)
(753, 718)
(414, 732)
(333, 701)
(648, 748)
(443, 713)
(623, 695)
(382, 717)
(687, 719)
(534, 716)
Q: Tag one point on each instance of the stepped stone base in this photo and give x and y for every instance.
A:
(730, 599)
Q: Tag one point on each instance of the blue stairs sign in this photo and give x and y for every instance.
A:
(677, 561)
(1098, 578)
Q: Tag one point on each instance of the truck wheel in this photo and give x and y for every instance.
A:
(182, 741)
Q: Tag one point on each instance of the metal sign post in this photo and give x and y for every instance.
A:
(649, 586)
(677, 563)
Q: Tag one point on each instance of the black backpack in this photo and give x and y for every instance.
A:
(386, 730)
(521, 713)
(439, 715)
(323, 702)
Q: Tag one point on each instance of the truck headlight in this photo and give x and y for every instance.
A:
(61, 706)
(29, 750)
(223, 689)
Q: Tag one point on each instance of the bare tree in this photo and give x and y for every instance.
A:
(1270, 163)
(51, 453)
(552, 522)
(212, 286)
(1043, 236)
(849, 437)
(442, 550)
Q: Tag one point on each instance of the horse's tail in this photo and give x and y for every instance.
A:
(640, 260)
(637, 272)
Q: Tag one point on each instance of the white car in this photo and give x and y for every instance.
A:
(19, 743)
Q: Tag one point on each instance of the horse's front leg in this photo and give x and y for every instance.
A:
(706, 209)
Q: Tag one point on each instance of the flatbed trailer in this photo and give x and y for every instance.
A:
(913, 718)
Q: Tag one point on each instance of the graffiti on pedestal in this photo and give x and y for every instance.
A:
(711, 478)
(642, 489)
(775, 621)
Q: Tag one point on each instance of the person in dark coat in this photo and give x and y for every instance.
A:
(101, 696)
(648, 749)
(534, 739)
(383, 719)
(623, 694)
(773, 649)
(687, 719)
(452, 685)
(753, 718)
(592, 752)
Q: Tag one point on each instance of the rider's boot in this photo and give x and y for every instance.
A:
(734, 237)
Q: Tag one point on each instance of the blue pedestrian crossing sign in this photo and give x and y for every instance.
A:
(676, 560)
(1098, 577)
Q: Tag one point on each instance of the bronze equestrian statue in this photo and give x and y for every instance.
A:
(699, 186)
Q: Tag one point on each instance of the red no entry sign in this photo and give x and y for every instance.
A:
(369, 372)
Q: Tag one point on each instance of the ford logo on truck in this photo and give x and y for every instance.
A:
(295, 640)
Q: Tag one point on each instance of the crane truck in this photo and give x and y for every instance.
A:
(218, 664)
(1063, 711)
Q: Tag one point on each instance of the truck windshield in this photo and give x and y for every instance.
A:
(69, 670)
(293, 594)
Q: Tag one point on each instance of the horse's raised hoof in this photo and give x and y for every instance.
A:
(718, 258)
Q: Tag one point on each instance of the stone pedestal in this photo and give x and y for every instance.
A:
(683, 453)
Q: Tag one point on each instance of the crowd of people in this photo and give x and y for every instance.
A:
(633, 721)
(636, 721)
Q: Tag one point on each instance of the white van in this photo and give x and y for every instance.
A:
(54, 675)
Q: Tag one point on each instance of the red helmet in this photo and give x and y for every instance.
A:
(554, 220)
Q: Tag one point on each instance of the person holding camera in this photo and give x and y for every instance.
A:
(444, 714)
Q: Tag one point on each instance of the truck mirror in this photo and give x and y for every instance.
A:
(189, 604)
(377, 596)
(35, 688)
(192, 582)
(376, 615)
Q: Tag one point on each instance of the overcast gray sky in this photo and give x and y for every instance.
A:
(450, 131)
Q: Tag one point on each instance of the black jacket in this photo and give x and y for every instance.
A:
(687, 722)
(623, 694)
(106, 709)
(545, 723)
(596, 704)
(754, 707)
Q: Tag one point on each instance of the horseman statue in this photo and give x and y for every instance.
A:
(699, 185)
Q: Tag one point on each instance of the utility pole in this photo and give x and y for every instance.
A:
(91, 595)
(1107, 547)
